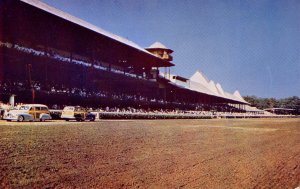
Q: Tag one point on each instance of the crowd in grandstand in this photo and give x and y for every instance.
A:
(63, 58)
(144, 100)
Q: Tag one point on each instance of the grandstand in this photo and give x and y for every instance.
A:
(51, 57)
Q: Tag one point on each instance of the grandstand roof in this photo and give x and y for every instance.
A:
(200, 83)
(213, 88)
(81, 22)
(220, 89)
(239, 96)
(47, 27)
(70, 33)
(285, 109)
(200, 78)
(200, 88)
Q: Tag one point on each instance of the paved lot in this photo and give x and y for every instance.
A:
(245, 153)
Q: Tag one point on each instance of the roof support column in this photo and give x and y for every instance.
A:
(46, 84)
(2, 59)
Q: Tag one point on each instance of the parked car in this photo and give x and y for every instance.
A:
(77, 113)
(28, 112)
(96, 115)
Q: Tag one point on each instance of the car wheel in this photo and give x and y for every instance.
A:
(20, 119)
(67, 120)
(42, 120)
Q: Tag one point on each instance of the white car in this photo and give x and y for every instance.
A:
(28, 112)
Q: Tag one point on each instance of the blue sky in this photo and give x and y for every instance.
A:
(252, 46)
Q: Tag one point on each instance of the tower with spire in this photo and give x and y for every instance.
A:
(161, 51)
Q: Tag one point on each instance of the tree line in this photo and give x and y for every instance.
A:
(264, 103)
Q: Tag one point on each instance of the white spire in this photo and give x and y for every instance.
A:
(237, 94)
(212, 87)
(199, 77)
(157, 45)
(220, 89)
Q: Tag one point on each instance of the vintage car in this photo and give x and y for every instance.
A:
(77, 113)
(28, 112)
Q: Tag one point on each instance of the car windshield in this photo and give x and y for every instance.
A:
(24, 108)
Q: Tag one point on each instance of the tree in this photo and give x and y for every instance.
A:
(264, 103)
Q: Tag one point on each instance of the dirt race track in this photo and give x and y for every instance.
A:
(244, 153)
